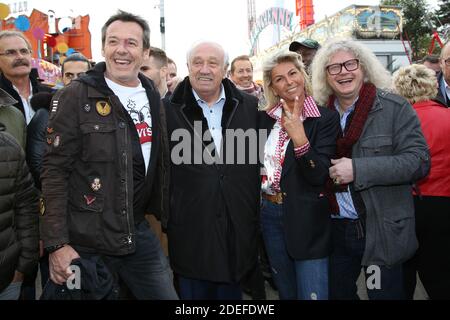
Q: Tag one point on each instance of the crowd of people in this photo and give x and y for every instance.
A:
(202, 188)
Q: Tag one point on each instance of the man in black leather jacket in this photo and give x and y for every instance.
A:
(104, 168)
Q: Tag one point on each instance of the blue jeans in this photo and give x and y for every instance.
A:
(146, 272)
(11, 292)
(192, 289)
(295, 279)
(345, 266)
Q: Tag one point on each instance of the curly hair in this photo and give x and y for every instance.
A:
(416, 83)
(372, 68)
(280, 57)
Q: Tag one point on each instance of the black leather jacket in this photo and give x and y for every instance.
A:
(36, 142)
(87, 176)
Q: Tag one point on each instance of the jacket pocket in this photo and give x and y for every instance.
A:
(84, 219)
(400, 237)
(374, 146)
(99, 141)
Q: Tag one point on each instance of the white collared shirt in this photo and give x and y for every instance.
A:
(213, 115)
(29, 112)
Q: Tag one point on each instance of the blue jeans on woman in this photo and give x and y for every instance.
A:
(295, 279)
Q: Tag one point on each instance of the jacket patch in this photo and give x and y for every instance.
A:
(42, 206)
(55, 106)
(103, 108)
(89, 199)
(50, 130)
(96, 185)
(57, 141)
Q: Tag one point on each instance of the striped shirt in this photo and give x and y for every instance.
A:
(344, 199)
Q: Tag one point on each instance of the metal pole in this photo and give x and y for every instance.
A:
(162, 25)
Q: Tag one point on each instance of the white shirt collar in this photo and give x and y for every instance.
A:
(29, 111)
(221, 96)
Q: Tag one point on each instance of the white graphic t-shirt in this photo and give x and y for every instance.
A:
(135, 101)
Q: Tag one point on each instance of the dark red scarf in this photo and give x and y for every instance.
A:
(353, 132)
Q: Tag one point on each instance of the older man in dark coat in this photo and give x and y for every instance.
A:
(213, 222)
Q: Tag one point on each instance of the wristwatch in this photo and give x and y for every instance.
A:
(52, 249)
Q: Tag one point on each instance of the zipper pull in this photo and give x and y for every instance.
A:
(129, 241)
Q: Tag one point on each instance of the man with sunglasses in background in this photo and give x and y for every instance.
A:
(18, 78)
(443, 95)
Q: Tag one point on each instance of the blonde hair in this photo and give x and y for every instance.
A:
(372, 68)
(280, 57)
(416, 83)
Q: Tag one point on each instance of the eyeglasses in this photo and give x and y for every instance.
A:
(14, 52)
(349, 65)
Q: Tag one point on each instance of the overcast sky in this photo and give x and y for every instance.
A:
(188, 21)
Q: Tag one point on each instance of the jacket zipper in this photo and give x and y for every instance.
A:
(129, 237)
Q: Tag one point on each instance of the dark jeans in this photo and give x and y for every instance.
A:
(146, 272)
(28, 289)
(44, 269)
(192, 289)
(432, 259)
(345, 266)
(295, 279)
